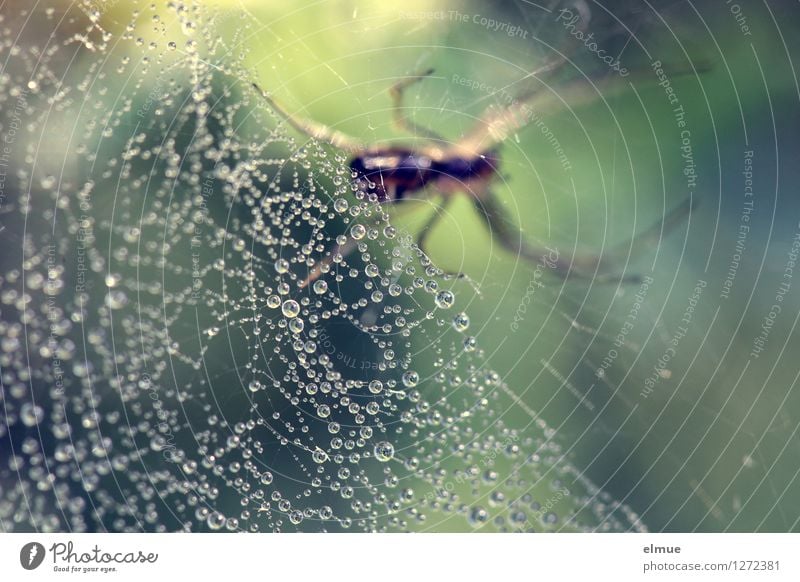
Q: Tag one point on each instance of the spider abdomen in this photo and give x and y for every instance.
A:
(458, 172)
(393, 173)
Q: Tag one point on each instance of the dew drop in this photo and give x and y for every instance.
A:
(445, 300)
(384, 451)
(320, 457)
(470, 344)
(461, 322)
(215, 520)
(290, 308)
(31, 415)
(410, 379)
(358, 231)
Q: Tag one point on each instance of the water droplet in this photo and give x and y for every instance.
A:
(410, 379)
(281, 266)
(290, 308)
(215, 520)
(116, 299)
(358, 231)
(320, 457)
(461, 322)
(445, 300)
(470, 344)
(384, 451)
(478, 516)
(31, 415)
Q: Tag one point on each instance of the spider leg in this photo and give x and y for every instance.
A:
(313, 129)
(490, 130)
(348, 247)
(556, 63)
(433, 219)
(399, 114)
(341, 250)
(599, 268)
(504, 231)
(538, 102)
(648, 238)
(425, 232)
(323, 265)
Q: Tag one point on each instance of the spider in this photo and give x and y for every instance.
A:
(469, 165)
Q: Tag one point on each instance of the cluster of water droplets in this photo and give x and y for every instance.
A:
(187, 343)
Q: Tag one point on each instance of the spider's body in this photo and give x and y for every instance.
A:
(394, 173)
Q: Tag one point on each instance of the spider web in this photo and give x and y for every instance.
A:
(165, 369)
